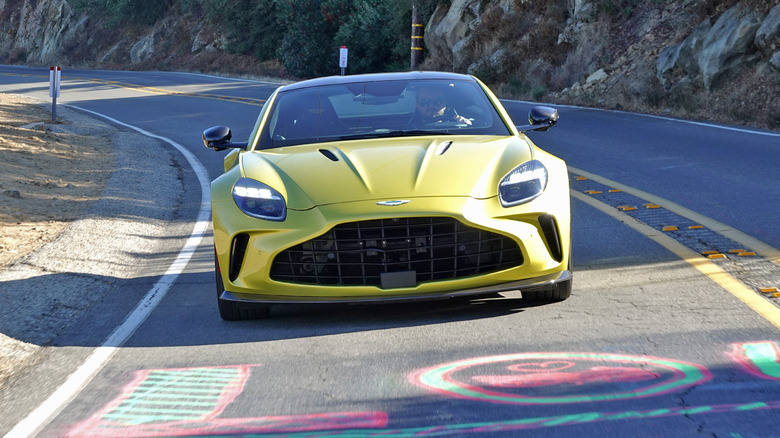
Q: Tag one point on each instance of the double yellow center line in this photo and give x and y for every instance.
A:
(606, 196)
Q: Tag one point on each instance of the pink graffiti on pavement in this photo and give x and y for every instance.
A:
(761, 359)
(590, 376)
(188, 402)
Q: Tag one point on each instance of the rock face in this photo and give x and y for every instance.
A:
(768, 37)
(684, 56)
(37, 31)
(51, 32)
(712, 51)
(449, 28)
(448, 35)
(729, 44)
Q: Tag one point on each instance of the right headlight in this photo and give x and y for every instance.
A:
(524, 183)
(259, 200)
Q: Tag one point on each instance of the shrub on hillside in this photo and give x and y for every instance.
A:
(305, 35)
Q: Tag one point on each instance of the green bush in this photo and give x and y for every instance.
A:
(305, 35)
(252, 27)
(538, 92)
(307, 48)
(517, 86)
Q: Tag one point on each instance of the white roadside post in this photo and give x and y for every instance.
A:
(343, 51)
(54, 90)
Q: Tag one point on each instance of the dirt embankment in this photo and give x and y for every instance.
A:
(49, 177)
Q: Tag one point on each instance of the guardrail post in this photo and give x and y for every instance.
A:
(54, 90)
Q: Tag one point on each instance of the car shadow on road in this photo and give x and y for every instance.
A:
(198, 321)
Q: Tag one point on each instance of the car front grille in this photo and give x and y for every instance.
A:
(417, 250)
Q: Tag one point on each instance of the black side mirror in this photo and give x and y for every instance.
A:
(541, 118)
(218, 138)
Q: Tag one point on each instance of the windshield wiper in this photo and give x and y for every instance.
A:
(397, 133)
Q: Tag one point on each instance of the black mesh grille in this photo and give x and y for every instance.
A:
(432, 249)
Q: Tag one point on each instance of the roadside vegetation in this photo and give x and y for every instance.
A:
(302, 35)
(541, 51)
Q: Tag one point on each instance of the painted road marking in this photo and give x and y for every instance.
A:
(697, 220)
(188, 402)
(761, 359)
(539, 378)
(309, 424)
(154, 90)
(495, 427)
(689, 242)
(52, 406)
(167, 396)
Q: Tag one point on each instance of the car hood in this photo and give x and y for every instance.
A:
(387, 169)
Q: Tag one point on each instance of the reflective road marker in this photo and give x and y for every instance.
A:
(591, 188)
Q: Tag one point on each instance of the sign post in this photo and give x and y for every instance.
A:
(343, 52)
(54, 90)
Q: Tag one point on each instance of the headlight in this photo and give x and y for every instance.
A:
(524, 183)
(258, 200)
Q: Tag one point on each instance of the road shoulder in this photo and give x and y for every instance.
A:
(116, 240)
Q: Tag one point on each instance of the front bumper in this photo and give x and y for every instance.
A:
(251, 281)
(531, 284)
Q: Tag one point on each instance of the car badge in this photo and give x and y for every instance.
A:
(393, 203)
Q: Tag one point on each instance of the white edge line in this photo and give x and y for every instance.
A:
(52, 406)
(654, 116)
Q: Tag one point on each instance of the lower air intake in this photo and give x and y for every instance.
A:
(427, 249)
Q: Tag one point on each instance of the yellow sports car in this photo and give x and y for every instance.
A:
(383, 187)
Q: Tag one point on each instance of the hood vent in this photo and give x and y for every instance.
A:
(443, 147)
(328, 154)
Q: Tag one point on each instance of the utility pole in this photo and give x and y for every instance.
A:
(417, 39)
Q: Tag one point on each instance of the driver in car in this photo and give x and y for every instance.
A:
(432, 108)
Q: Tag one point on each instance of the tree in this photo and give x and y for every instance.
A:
(369, 38)
(307, 48)
(252, 27)
(305, 35)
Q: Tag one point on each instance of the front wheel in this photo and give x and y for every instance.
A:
(559, 292)
(231, 310)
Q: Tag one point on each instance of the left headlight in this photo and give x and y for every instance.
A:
(259, 200)
(524, 183)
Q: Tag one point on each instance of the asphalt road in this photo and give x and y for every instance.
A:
(656, 340)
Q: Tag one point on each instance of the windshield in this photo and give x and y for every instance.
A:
(380, 109)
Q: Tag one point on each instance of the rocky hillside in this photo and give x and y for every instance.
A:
(716, 60)
(704, 59)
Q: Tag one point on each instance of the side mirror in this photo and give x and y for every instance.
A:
(218, 138)
(541, 118)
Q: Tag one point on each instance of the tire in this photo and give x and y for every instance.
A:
(559, 292)
(231, 310)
